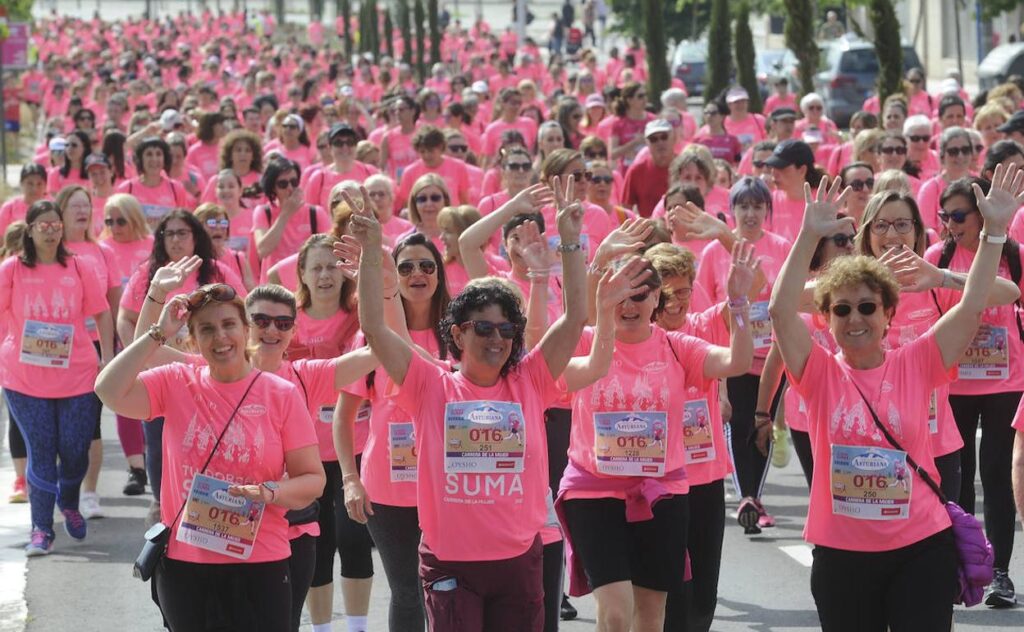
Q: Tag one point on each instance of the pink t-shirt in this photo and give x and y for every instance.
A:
(838, 418)
(48, 352)
(993, 362)
(748, 131)
(318, 189)
(928, 201)
(55, 182)
(452, 171)
(638, 403)
(787, 215)
(400, 151)
(128, 256)
(479, 516)
(796, 407)
(315, 380)
(157, 201)
(270, 423)
(327, 338)
(776, 101)
(135, 292)
(492, 133)
(296, 232)
(204, 158)
(12, 210)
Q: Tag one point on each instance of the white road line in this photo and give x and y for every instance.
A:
(799, 552)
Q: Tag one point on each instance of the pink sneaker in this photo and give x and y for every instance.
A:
(19, 493)
(764, 519)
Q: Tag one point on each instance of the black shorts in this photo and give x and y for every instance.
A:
(650, 554)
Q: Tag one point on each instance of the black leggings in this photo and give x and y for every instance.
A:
(802, 447)
(224, 597)
(995, 412)
(557, 424)
(693, 608)
(948, 466)
(904, 590)
(14, 437)
(300, 569)
(396, 532)
(554, 561)
(751, 466)
(341, 534)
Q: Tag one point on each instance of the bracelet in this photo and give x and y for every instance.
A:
(538, 274)
(739, 304)
(388, 298)
(157, 334)
(993, 239)
(947, 278)
(569, 247)
(762, 415)
(150, 298)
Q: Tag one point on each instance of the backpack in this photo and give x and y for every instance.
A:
(1013, 263)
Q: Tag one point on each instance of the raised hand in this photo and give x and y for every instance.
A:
(822, 208)
(616, 286)
(1003, 199)
(292, 202)
(913, 273)
(348, 251)
(364, 225)
(533, 248)
(174, 316)
(530, 200)
(743, 271)
(690, 222)
(570, 211)
(172, 276)
(626, 239)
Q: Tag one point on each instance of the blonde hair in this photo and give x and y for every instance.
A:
(13, 239)
(457, 219)
(851, 271)
(62, 199)
(867, 140)
(670, 260)
(424, 181)
(990, 110)
(209, 210)
(892, 180)
(130, 207)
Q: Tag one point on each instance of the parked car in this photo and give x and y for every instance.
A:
(769, 64)
(847, 72)
(689, 65)
(1001, 62)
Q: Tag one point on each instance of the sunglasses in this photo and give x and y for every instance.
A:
(433, 197)
(344, 142)
(658, 138)
(485, 328)
(218, 292)
(843, 310)
(580, 176)
(180, 233)
(899, 151)
(916, 81)
(602, 179)
(958, 217)
(979, 148)
(841, 240)
(760, 164)
(519, 166)
(218, 223)
(681, 294)
(919, 139)
(458, 149)
(902, 226)
(49, 227)
(426, 266)
(712, 113)
(593, 155)
(640, 298)
(859, 185)
(957, 151)
(281, 185)
(289, 126)
(263, 321)
(110, 221)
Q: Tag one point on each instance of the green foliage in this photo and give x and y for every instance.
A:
(657, 55)
(887, 47)
(719, 68)
(992, 8)
(344, 9)
(389, 28)
(435, 31)
(680, 19)
(405, 24)
(18, 10)
(746, 71)
(418, 17)
(799, 33)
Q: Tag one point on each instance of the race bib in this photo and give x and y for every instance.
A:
(988, 357)
(760, 325)
(326, 415)
(484, 437)
(239, 243)
(870, 483)
(402, 447)
(155, 212)
(364, 412)
(630, 443)
(933, 414)
(698, 440)
(216, 521)
(46, 344)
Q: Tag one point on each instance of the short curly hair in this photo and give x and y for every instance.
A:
(852, 271)
(479, 296)
(670, 260)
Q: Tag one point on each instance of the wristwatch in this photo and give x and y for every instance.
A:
(273, 487)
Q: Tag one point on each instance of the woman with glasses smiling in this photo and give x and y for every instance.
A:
(956, 150)
(344, 166)
(892, 154)
(860, 177)
(918, 131)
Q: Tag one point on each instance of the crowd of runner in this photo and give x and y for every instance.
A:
(514, 326)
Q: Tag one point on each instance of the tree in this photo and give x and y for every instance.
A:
(19, 10)
(389, 28)
(719, 50)
(887, 47)
(992, 8)
(344, 9)
(368, 28)
(278, 10)
(680, 19)
(435, 31)
(746, 72)
(405, 23)
(421, 65)
(657, 66)
(799, 35)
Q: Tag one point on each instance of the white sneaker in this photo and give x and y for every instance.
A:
(89, 505)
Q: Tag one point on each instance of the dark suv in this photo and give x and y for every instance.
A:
(847, 74)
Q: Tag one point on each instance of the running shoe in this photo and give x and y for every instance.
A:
(1001, 593)
(74, 524)
(780, 449)
(136, 485)
(764, 519)
(89, 505)
(568, 610)
(41, 543)
(748, 516)
(19, 493)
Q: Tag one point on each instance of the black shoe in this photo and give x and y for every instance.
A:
(136, 485)
(1000, 591)
(568, 612)
(748, 516)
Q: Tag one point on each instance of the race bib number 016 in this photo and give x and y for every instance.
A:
(870, 483)
(216, 521)
(402, 447)
(698, 438)
(46, 344)
(484, 437)
(630, 443)
(988, 357)
(760, 325)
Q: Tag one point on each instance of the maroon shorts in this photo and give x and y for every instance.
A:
(496, 595)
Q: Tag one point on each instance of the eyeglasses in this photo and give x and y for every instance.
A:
(218, 223)
(681, 294)
(902, 226)
(658, 138)
(965, 150)
(263, 321)
(344, 142)
(433, 197)
(579, 176)
(843, 310)
(602, 179)
(110, 221)
(281, 185)
(899, 150)
(458, 149)
(218, 292)
(180, 233)
(958, 217)
(859, 185)
(485, 328)
(841, 240)
(519, 166)
(426, 266)
(919, 139)
(49, 227)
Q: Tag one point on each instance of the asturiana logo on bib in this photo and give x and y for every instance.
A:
(870, 461)
(631, 424)
(486, 415)
(223, 497)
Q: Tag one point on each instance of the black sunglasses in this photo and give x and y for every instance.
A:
(640, 298)
(263, 321)
(218, 292)
(458, 149)
(919, 139)
(841, 240)
(958, 217)
(433, 197)
(602, 179)
(843, 310)
(485, 328)
(900, 151)
(344, 142)
(859, 185)
(519, 166)
(956, 151)
(110, 221)
(426, 267)
(284, 184)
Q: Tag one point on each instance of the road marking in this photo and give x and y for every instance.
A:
(799, 552)
(14, 525)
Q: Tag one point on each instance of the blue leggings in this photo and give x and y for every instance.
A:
(58, 433)
(153, 431)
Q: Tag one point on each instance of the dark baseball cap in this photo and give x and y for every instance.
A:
(791, 152)
(341, 128)
(1014, 124)
(96, 159)
(782, 113)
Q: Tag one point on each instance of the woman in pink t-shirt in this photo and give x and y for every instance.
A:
(228, 192)
(249, 433)
(72, 171)
(791, 165)
(204, 155)
(482, 464)
(396, 152)
(956, 151)
(46, 295)
(868, 414)
(241, 151)
(294, 142)
(33, 189)
(626, 136)
(215, 220)
(343, 140)
(158, 194)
